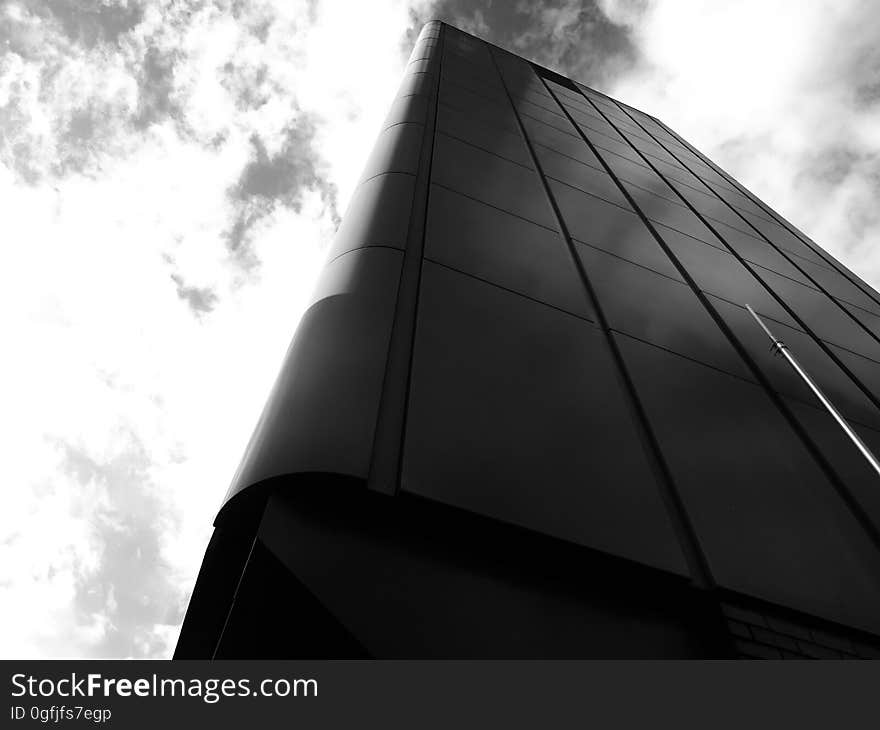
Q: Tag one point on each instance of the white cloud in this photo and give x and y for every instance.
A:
(127, 410)
(783, 95)
(124, 135)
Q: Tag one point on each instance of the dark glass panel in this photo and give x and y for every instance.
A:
(845, 459)
(657, 309)
(612, 145)
(643, 177)
(827, 257)
(580, 104)
(518, 74)
(670, 214)
(641, 141)
(504, 250)
(588, 218)
(654, 184)
(867, 371)
(612, 229)
(484, 80)
(542, 115)
(759, 252)
(637, 246)
(769, 521)
(720, 273)
(593, 180)
(743, 204)
(694, 164)
(623, 121)
(821, 315)
(564, 91)
(531, 90)
(833, 381)
(588, 123)
(640, 116)
(584, 107)
(475, 59)
(608, 107)
(525, 83)
(711, 207)
(477, 56)
(592, 93)
(837, 285)
(676, 172)
(648, 146)
(784, 238)
(490, 178)
(479, 108)
(829, 260)
(534, 96)
(869, 320)
(479, 86)
(550, 137)
(465, 127)
(516, 413)
(707, 173)
(659, 131)
(646, 143)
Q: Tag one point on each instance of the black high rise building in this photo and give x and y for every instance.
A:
(528, 414)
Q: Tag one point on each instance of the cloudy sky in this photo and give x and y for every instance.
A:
(171, 175)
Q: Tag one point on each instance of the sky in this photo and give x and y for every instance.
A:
(172, 174)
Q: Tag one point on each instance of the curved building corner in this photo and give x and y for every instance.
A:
(526, 414)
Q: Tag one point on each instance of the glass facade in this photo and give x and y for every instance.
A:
(535, 312)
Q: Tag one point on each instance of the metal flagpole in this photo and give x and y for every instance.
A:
(780, 347)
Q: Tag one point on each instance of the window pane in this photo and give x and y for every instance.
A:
(675, 319)
(489, 178)
(823, 316)
(771, 524)
(720, 273)
(462, 126)
(833, 381)
(504, 249)
(589, 179)
(567, 144)
(505, 395)
(610, 228)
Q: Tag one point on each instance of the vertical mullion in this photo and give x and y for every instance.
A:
(390, 434)
(824, 255)
(842, 490)
(687, 537)
(818, 340)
